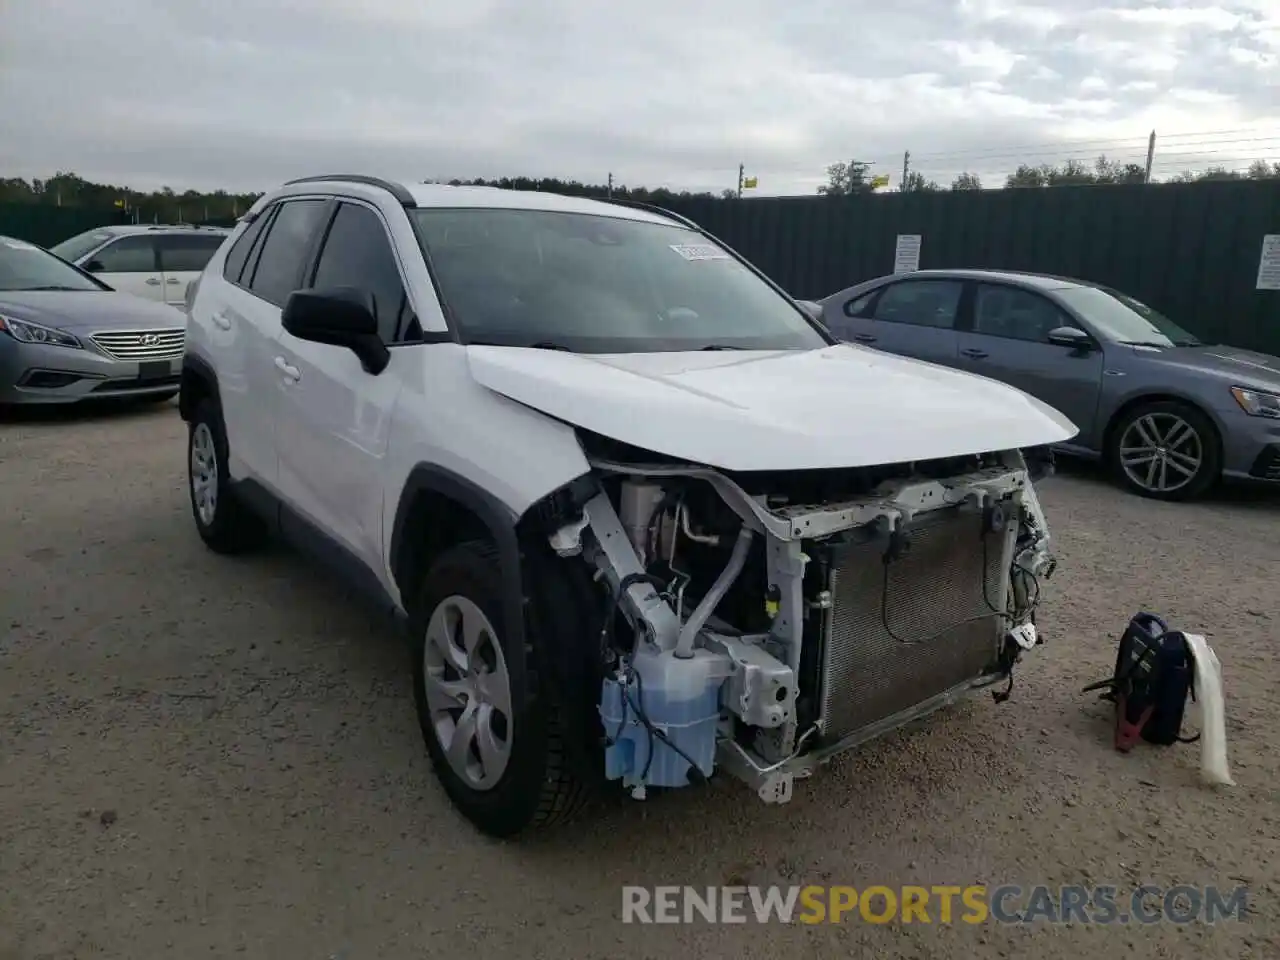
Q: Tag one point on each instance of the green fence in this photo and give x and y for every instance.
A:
(1191, 251)
(46, 224)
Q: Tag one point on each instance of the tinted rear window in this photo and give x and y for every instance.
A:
(183, 254)
(239, 252)
(279, 268)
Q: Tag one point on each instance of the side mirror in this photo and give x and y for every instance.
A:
(93, 266)
(340, 317)
(1070, 337)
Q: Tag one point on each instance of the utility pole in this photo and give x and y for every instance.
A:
(906, 168)
(610, 186)
(742, 168)
(1151, 154)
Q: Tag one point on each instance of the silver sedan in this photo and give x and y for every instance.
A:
(67, 336)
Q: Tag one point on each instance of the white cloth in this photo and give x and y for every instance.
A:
(1212, 703)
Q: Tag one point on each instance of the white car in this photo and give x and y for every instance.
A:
(153, 261)
(645, 519)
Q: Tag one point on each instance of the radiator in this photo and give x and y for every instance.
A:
(934, 599)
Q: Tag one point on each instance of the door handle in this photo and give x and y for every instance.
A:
(172, 280)
(222, 320)
(293, 373)
(153, 281)
(864, 338)
(974, 354)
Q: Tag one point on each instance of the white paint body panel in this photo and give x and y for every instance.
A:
(843, 406)
(149, 286)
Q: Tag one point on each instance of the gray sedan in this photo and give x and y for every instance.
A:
(66, 336)
(1167, 412)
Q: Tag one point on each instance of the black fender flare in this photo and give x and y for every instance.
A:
(532, 596)
(497, 517)
(195, 368)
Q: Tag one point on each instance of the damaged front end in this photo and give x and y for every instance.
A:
(765, 622)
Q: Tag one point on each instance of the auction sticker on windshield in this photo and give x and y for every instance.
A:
(699, 251)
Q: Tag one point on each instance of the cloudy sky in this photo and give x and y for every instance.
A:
(245, 93)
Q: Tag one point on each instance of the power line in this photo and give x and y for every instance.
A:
(1106, 142)
(1099, 146)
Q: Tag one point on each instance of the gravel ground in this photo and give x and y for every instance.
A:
(212, 757)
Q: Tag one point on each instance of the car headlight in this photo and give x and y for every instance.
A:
(25, 331)
(1256, 403)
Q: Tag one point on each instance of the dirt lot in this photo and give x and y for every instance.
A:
(207, 757)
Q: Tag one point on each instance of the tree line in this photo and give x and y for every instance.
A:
(843, 179)
(194, 206)
(854, 177)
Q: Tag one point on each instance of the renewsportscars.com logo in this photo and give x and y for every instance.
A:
(975, 904)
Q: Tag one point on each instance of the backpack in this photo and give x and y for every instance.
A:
(1154, 676)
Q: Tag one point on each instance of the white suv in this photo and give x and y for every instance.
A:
(152, 261)
(644, 518)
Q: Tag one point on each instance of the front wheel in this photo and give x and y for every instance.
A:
(1166, 450)
(491, 726)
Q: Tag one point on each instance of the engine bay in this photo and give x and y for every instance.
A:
(765, 622)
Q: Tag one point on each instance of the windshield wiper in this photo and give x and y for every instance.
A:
(504, 342)
(1190, 343)
(1147, 343)
(720, 346)
(49, 287)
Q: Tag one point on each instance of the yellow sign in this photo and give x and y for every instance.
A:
(120, 204)
(749, 183)
(881, 181)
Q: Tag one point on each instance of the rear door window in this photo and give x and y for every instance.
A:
(922, 303)
(238, 255)
(187, 254)
(278, 271)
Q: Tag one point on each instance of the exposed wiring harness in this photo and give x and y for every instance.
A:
(898, 546)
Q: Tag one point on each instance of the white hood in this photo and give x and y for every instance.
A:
(841, 406)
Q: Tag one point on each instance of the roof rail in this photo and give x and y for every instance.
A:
(403, 196)
(180, 226)
(652, 208)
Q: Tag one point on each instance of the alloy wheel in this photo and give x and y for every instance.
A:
(1161, 452)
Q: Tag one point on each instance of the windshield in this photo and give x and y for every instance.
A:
(599, 284)
(76, 247)
(1125, 319)
(24, 266)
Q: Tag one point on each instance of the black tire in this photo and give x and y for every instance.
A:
(537, 788)
(1206, 442)
(233, 527)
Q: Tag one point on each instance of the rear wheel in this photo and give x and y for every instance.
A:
(225, 524)
(1166, 450)
(490, 723)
